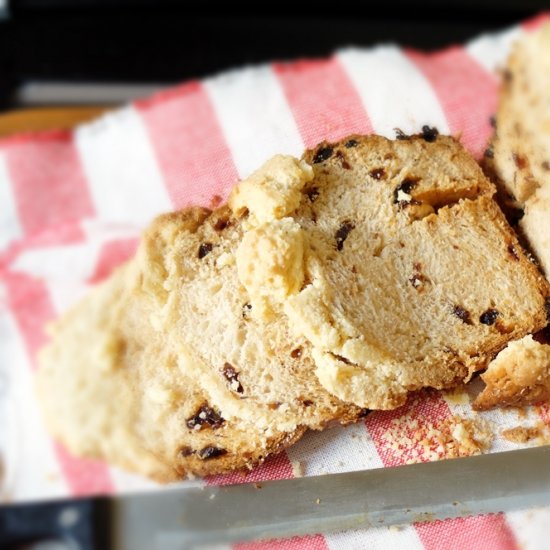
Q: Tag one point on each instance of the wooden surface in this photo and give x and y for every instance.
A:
(33, 120)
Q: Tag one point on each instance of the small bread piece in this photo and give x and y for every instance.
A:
(519, 375)
(410, 275)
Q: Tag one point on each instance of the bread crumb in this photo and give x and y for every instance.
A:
(212, 496)
(318, 501)
(297, 468)
(395, 528)
(414, 441)
(527, 434)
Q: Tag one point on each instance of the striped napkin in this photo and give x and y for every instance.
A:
(72, 205)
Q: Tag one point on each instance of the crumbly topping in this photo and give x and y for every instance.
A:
(539, 434)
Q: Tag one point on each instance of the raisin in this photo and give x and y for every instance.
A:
(342, 234)
(545, 165)
(211, 452)
(204, 249)
(513, 252)
(377, 173)
(185, 451)
(296, 353)
(206, 416)
(429, 134)
(489, 317)
(322, 154)
(351, 143)
(489, 153)
(399, 134)
(519, 160)
(312, 194)
(343, 161)
(232, 376)
(406, 186)
(221, 224)
(246, 310)
(462, 314)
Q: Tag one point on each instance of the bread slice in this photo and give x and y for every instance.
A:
(401, 270)
(160, 370)
(519, 375)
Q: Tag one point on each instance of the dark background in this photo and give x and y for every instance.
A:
(162, 41)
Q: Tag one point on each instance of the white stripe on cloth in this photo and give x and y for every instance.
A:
(491, 50)
(10, 228)
(26, 449)
(255, 116)
(394, 92)
(345, 450)
(123, 175)
(530, 528)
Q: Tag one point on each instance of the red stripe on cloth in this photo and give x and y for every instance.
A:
(30, 304)
(489, 531)
(61, 234)
(315, 542)
(466, 91)
(48, 182)
(275, 467)
(111, 255)
(189, 145)
(536, 22)
(323, 100)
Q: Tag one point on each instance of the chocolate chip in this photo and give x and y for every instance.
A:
(185, 451)
(406, 186)
(296, 353)
(545, 165)
(312, 193)
(211, 452)
(377, 173)
(513, 252)
(246, 310)
(489, 317)
(204, 249)
(351, 143)
(232, 376)
(462, 314)
(429, 134)
(221, 224)
(205, 417)
(343, 161)
(519, 160)
(322, 154)
(399, 134)
(489, 153)
(342, 234)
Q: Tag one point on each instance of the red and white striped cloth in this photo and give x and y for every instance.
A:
(72, 205)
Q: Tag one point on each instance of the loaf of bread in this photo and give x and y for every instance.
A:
(519, 160)
(328, 286)
(161, 370)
